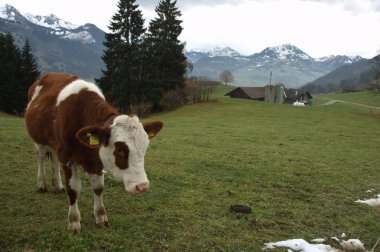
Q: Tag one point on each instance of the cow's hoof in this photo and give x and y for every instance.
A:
(74, 228)
(103, 225)
(42, 190)
(62, 190)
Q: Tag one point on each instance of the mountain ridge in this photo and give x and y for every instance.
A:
(58, 45)
(288, 63)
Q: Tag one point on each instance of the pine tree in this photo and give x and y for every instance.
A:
(122, 78)
(29, 66)
(30, 73)
(18, 70)
(10, 74)
(166, 67)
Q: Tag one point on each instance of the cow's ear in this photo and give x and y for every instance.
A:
(153, 128)
(93, 136)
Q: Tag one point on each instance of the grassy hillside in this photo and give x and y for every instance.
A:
(299, 168)
(367, 98)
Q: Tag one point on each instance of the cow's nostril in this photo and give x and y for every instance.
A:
(137, 188)
(143, 187)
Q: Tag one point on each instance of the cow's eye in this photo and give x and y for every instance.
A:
(121, 153)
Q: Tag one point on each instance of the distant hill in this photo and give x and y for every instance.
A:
(348, 76)
(288, 64)
(57, 45)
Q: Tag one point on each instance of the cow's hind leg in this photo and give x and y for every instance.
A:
(97, 184)
(73, 187)
(56, 173)
(41, 175)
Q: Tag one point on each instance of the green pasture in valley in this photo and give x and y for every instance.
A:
(300, 169)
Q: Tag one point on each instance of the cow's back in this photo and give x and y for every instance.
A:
(40, 113)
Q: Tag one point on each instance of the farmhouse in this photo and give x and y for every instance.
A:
(292, 95)
(253, 93)
(272, 93)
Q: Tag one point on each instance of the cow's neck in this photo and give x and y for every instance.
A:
(101, 113)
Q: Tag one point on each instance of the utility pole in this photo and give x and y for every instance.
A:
(270, 78)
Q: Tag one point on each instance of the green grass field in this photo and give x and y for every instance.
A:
(367, 98)
(300, 169)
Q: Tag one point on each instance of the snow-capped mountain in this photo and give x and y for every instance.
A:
(57, 44)
(10, 13)
(288, 63)
(62, 28)
(284, 52)
(51, 21)
(221, 51)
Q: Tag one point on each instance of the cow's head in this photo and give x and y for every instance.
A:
(122, 147)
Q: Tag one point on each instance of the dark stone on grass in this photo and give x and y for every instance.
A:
(240, 209)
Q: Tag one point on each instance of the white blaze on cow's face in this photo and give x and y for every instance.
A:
(124, 154)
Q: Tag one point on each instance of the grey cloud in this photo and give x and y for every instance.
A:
(150, 4)
(353, 6)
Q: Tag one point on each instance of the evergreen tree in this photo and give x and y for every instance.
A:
(18, 70)
(29, 66)
(165, 60)
(10, 74)
(30, 73)
(122, 78)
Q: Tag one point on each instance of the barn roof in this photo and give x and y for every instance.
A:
(251, 92)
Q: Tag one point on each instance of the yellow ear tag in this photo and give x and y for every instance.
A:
(93, 139)
(151, 134)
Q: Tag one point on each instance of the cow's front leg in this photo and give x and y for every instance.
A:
(97, 184)
(73, 187)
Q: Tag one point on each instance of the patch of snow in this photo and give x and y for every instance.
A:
(371, 202)
(5, 14)
(51, 21)
(326, 58)
(83, 36)
(370, 190)
(304, 246)
(289, 51)
(299, 104)
(352, 244)
(224, 51)
(335, 238)
(318, 240)
(59, 33)
(300, 245)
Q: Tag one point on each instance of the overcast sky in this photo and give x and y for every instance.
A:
(318, 27)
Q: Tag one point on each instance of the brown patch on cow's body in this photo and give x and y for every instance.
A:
(98, 191)
(41, 113)
(121, 154)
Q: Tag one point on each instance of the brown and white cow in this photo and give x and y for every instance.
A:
(70, 118)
